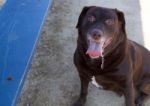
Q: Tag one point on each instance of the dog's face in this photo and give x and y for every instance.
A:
(100, 27)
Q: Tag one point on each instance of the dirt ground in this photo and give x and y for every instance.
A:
(53, 79)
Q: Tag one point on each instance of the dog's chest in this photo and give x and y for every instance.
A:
(95, 83)
(105, 83)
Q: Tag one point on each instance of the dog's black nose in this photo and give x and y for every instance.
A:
(96, 34)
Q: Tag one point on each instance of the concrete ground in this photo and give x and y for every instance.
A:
(53, 79)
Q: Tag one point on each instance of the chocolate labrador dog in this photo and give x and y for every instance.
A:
(105, 57)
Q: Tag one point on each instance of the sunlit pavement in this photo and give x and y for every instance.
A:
(145, 17)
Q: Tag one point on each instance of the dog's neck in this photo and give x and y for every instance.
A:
(115, 55)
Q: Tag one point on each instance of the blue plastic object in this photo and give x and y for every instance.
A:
(20, 26)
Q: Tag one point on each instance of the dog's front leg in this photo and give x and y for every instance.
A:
(83, 92)
(130, 93)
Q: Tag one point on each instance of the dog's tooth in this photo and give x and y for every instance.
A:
(94, 57)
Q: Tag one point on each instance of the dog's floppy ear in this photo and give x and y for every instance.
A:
(121, 18)
(82, 14)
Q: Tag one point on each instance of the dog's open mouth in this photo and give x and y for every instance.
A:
(96, 48)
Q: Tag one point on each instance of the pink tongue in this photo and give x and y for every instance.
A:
(95, 49)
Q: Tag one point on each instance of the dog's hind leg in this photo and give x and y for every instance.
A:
(141, 99)
(144, 93)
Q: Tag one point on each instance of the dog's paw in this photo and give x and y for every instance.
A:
(138, 102)
(79, 102)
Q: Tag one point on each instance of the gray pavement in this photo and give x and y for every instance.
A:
(53, 79)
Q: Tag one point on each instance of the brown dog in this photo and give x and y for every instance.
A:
(104, 56)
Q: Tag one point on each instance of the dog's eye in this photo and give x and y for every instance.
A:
(109, 22)
(91, 19)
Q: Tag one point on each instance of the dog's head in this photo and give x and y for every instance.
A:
(100, 28)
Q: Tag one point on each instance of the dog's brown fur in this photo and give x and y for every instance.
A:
(126, 66)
